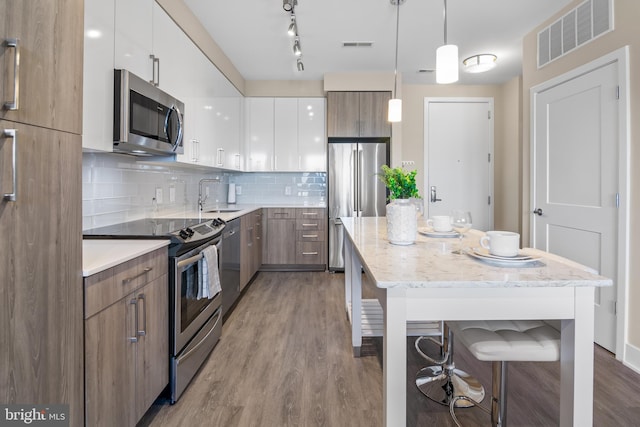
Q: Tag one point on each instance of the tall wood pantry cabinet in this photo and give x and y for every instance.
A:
(358, 114)
(41, 328)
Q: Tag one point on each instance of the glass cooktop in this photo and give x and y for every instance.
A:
(157, 228)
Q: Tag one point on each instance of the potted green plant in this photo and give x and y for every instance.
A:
(403, 207)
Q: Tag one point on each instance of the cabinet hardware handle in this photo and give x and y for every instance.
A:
(309, 253)
(134, 338)
(13, 134)
(142, 332)
(309, 236)
(310, 225)
(155, 65)
(220, 156)
(237, 161)
(15, 44)
(130, 279)
(310, 213)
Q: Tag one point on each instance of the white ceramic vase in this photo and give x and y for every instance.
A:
(402, 222)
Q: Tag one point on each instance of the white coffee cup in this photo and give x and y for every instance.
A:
(501, 243)
(440, 223)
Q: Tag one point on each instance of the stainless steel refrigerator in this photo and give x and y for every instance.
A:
(354, 186)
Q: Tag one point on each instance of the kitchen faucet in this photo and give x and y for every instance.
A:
(200, 199)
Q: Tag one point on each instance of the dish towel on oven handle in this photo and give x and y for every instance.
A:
(209, 282)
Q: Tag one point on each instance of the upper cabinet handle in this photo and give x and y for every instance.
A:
(155, 65)
(15, 44)
(13, 134)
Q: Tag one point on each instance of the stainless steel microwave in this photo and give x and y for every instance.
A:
(147, 121)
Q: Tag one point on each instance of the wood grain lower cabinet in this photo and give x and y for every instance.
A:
(126, 340)
(251, 248)
(295, 239)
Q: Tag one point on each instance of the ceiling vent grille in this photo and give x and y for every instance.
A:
(590, 19)
(357, 44)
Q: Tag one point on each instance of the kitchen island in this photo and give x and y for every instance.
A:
(426, 281)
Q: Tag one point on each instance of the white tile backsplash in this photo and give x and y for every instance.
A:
(118, 188)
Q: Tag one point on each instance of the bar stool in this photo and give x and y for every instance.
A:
(501, 341)
(442, 381)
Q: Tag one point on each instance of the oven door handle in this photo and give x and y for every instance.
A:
(190, 260)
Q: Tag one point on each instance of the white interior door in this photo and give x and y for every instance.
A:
(459, 158)
(576, 152)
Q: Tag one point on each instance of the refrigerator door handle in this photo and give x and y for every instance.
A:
(354, 182)
(360, 179)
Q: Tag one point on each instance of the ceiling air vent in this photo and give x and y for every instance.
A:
(577, 27)
(357, 44)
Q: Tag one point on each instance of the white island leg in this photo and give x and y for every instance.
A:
(394, 370)
(576, 362)
(355, 276)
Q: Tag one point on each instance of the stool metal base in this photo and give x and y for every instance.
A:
(441, 385)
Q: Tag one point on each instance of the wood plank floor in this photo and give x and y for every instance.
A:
(285, 360)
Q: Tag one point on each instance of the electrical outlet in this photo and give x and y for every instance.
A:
(172, 194)
(238, 190)
(287, 190)
(159, 195)
(408, 163)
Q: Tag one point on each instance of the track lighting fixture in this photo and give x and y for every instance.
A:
(296, 47)
(300, 65)
(293, 28)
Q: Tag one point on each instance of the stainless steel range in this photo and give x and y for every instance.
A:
(195, 324)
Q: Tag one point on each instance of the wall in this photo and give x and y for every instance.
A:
(117, 188)
(627, 16)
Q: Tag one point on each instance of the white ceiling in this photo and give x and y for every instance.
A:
(253, 34)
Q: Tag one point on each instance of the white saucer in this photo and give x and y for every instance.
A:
(520, 260)
(432, 233)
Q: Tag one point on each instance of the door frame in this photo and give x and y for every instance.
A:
(621, 56)
(425, 144)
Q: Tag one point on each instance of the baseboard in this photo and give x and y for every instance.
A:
(632, 357)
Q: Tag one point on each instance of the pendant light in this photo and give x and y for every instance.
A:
(395, 104)
(446, 58)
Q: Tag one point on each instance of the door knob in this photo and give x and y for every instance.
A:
(538, 212)
(434, 196)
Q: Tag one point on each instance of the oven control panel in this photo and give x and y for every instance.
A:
(205, 230)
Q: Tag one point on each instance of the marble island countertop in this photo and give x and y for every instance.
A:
(430, 262)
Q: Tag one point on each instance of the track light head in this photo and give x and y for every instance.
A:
(293, 28)
(296, 48)
(300, 65)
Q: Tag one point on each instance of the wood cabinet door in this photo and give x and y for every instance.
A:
(49, 77)
(152, 364)
(246, 249)
(343, 114)
(41, 296)
(110, 372)
(374, 107)
(280, 248)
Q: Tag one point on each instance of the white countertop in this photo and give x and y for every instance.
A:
(430, 263)
(101, 254)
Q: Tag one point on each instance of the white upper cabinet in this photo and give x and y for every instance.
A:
(134, 37)
(290, 131)
(286, 135)
(312, 142)
(259, 115)
(97, 96)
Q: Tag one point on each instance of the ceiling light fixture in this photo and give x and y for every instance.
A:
(293, 28)
(296, 47)
(394, 114)
(480, 63)
(446, 58)
(300, 65)
(288, 5)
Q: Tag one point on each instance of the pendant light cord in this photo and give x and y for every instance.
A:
(395, 74)
(445, 21)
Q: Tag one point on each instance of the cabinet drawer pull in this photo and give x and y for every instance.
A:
(309, 253)
(14, 105)
(310, 213)
(13, 134)
(309, 236)
(281, 213)
(134, 303)
(310, 225)
(142, 332)
(130, 279)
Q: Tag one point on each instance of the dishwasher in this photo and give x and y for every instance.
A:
(230, 266)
